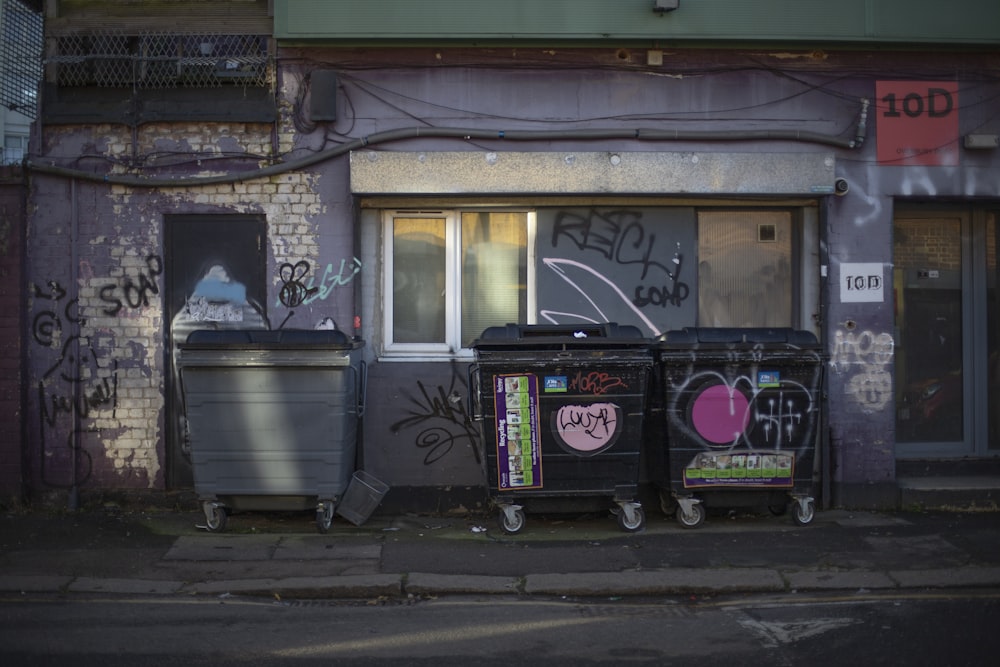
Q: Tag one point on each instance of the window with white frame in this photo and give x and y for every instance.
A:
(450, 274)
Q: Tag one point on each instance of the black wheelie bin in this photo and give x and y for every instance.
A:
(741, 409)
(272, 419)
(562, 411)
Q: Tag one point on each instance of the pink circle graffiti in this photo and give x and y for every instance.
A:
(587, 428)
(720, 414)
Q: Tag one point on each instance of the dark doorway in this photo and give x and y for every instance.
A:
(215, 270)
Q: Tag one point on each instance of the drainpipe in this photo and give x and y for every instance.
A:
(74, 295)
(823, 458)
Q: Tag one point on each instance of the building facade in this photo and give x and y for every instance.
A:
(418, 173)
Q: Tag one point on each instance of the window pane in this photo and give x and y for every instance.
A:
(494, 271)
(744, 269)
(13, 149)
(418, 280)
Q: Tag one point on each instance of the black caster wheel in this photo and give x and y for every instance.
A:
(691, 519)
(324, 516)
(216, 517)
(803, 512)
(637, 523)
(514, 523)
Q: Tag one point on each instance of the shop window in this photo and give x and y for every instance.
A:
(450, 274)
(745, 268)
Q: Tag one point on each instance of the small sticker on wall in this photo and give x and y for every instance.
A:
(768, 379)
(862, 283)
(556, 383)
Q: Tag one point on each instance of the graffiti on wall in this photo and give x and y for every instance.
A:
(617, 267)
(863, 359)
(299, 288)
(604, 297)
(294, 292)
(133, 293)
(217, 299)
(440, 420)
(76, 384)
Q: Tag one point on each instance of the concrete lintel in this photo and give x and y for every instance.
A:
(646, 173)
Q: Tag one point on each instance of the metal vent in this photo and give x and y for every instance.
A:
(21, 40)
(161, 60)
(767, 233)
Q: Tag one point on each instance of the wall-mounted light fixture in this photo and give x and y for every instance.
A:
(661, 6)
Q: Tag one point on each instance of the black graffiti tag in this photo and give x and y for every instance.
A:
(617, 235)
(447, 407)
(620, 237)
(102, 394)
(668, 294)
(75, 384)
(596, 421)
(133, 293)
(293, 291)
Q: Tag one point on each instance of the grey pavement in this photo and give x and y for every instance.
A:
(127, 551)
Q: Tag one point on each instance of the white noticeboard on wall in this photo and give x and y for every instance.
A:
(862, 283)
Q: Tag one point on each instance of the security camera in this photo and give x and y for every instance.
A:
(840, 187)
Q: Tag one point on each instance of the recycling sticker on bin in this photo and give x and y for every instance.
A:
(519, 460)
(741, 468)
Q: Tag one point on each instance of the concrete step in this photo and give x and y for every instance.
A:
(964, 492)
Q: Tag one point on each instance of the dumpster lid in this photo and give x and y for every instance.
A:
(268, 338)
(736, 335)
(545, 336)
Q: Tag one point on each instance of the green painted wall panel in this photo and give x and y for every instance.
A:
(926, 20)
(588, 21)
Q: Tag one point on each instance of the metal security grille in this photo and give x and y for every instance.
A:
(20, 57)
(161, 60)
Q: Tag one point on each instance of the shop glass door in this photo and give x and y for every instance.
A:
(946, 316)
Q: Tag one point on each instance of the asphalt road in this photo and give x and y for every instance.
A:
(943, 628)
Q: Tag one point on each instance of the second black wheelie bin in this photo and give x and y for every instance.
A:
(562, 409)
(738, 414)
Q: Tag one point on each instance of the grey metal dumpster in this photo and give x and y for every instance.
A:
(742, 409)
(272, 419)
(562, 409)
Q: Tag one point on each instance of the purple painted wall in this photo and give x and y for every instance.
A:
(90, 244)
